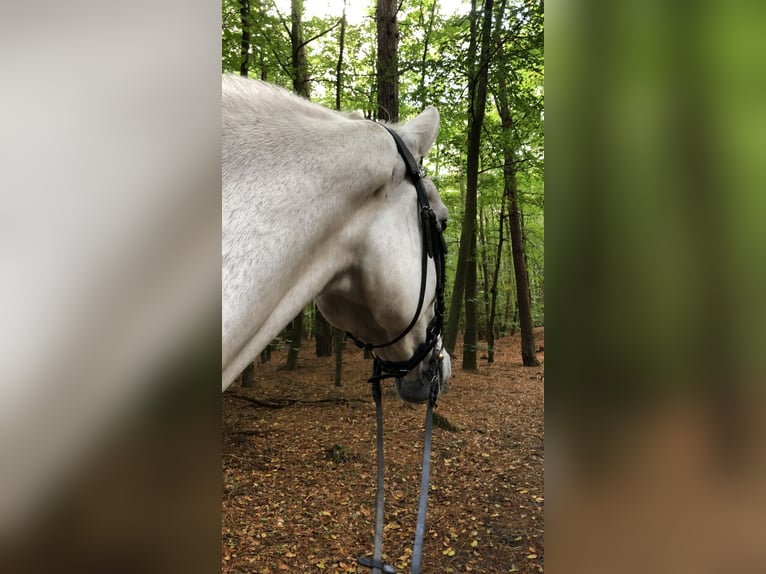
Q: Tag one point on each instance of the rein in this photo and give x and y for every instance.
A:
(434, 247)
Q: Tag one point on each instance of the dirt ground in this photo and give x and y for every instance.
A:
(289, 505)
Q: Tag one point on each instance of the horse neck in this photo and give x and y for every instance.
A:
(293, 217)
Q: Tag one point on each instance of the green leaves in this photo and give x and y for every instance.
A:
(433, 71)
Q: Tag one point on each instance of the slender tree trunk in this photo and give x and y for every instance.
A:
(296, 334)
(259, 43)
(458, 290)
(511, 308)
(456, 301)
(484, 271)
(262, 65)
(336, 336)
(266, 354)
(264, 71)
(470, 336)
(372, 86)
(244, 14)
(300, 86)
(339, 340)
(523, 298)
(523, 226)
(247, 376)
(426, 42)
(322, 334)
(388, 61)
(339, 68)
(327, 335)
(528, 354)
(478, 102)
(493, 289)
(299, 62)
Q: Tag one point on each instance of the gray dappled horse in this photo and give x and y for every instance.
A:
(319, 205)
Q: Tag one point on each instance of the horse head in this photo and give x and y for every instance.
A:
(390, 299)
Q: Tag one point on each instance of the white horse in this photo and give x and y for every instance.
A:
(317, 205)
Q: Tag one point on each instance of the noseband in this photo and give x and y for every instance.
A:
(434, 247)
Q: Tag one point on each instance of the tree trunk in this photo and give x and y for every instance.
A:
(244, 14)
(247, 376)
(523, 298)
(299, 62)
(296, 334)
(458, 289)
(493, 289)
(511, 308)
(339, 339)
(456, 302)
(528, 355)
(424, 58)
(339, 68)
(300, 86)
(484, 272)
(266, 354)
(336, 337)
(524, 250)
(476, 121)
(388, 61)
(262, 65)
(470, 336)
(322, 334)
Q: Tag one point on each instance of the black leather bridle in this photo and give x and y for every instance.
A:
(434, 247)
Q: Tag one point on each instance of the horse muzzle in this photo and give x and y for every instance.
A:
(415, 387)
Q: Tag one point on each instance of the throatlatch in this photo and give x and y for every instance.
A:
(434, 247)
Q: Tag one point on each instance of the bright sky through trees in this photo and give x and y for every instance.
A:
(357, 9)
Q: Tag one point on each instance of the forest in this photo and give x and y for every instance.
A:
(298, 430)
(481, 66)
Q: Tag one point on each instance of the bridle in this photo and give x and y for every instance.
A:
(434, 247)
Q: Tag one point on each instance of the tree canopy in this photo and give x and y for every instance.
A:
(440, 57)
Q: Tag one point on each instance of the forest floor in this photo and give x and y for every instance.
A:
(289, 507)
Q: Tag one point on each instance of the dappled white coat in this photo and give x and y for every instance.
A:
(316, 204)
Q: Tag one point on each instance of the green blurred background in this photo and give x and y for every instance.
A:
(656, 276)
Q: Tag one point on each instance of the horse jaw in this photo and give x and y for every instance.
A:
(415, 386)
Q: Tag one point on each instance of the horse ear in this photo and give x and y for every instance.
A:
(420, 132)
